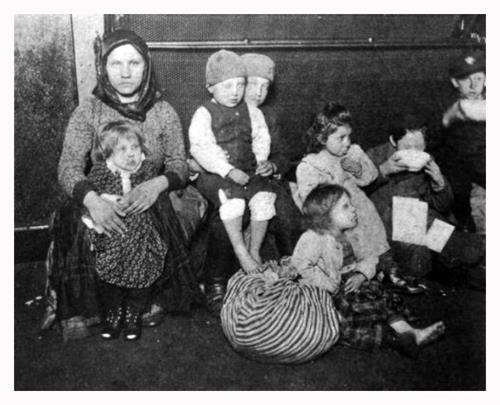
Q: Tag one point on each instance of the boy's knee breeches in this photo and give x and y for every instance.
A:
(261, 207)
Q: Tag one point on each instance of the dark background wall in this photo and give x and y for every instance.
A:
(318, 58)
(374, 64)
(45, 93)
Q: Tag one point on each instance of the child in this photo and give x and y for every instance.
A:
(462, 155)
(128, 264)
(334, 160)
(230, 141)
(409, 132)
(286, 226)
(369, 315)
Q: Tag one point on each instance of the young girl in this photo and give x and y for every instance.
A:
(126, 264)
(370, 316)
(334, 160)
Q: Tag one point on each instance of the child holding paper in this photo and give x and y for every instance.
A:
(426, 184)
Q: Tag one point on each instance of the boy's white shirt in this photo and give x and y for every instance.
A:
(210, 155)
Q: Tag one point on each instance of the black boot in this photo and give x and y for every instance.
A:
(215, 296)
(132, 323)
(112, 323)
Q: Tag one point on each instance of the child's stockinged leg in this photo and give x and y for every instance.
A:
(262, 210)
(421, 336)
(258, 231)
(234, 230)
(231, 213)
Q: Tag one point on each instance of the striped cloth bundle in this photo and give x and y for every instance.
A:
(279, 321)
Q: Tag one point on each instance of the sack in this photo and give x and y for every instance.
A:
(191, 208)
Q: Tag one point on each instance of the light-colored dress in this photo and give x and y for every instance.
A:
(368, 238)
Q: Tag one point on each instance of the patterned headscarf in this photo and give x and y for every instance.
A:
(104, 91)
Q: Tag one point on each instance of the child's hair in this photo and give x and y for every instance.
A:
(325, 123)
(318, 204)
(110, 133)
(410, 120)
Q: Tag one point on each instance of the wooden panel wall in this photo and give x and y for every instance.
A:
(44, 96)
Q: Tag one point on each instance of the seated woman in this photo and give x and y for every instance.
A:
(125, 90)
(409, 132)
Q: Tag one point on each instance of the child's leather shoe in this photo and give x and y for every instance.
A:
(112, 323)
(215, 296)
(132, 324)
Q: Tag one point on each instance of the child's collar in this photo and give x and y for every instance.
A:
(115, 169)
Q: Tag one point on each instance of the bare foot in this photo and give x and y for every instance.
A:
(247, 262)
(430, 334)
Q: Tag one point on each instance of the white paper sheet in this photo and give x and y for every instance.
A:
(409, 220)
(438, 235)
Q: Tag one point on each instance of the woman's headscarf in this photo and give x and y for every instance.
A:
(148, 94)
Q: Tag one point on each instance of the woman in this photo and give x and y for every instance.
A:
(125, 90)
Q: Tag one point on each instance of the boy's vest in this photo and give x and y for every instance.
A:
(465, 141)
(232, 129)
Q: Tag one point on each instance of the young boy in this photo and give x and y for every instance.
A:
(463, 153)
(229, 139)
(286, 227)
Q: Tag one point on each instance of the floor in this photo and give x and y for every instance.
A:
(190, 353)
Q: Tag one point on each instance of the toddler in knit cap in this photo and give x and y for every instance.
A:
(229, 139)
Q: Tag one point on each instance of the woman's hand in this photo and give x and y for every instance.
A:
(265, 168)
(105, 214)
(392, 165)
(144, 195)
(354, 282)
(238, 176)
(432, 169)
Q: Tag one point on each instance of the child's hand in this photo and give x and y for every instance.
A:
(392, 165)
(238, 176)
(432, 169)
(354, 282)
(265, 168)
(352, 167)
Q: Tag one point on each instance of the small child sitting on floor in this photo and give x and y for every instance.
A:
(370, 315)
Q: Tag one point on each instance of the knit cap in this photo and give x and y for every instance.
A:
(468, 63)
(258, 65)
(223, 65)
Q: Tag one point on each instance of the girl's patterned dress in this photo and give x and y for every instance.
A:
(364, 314)
(136, 259)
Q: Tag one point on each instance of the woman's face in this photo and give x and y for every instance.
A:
(412, 140)
(125, 68)
(256, 90)
(338, 142)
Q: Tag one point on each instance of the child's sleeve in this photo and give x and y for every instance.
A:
(369, 171)
(441, 200)
(306, 257)
(308, 177)
(261, 139)
(204, 148)
(368, 267)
